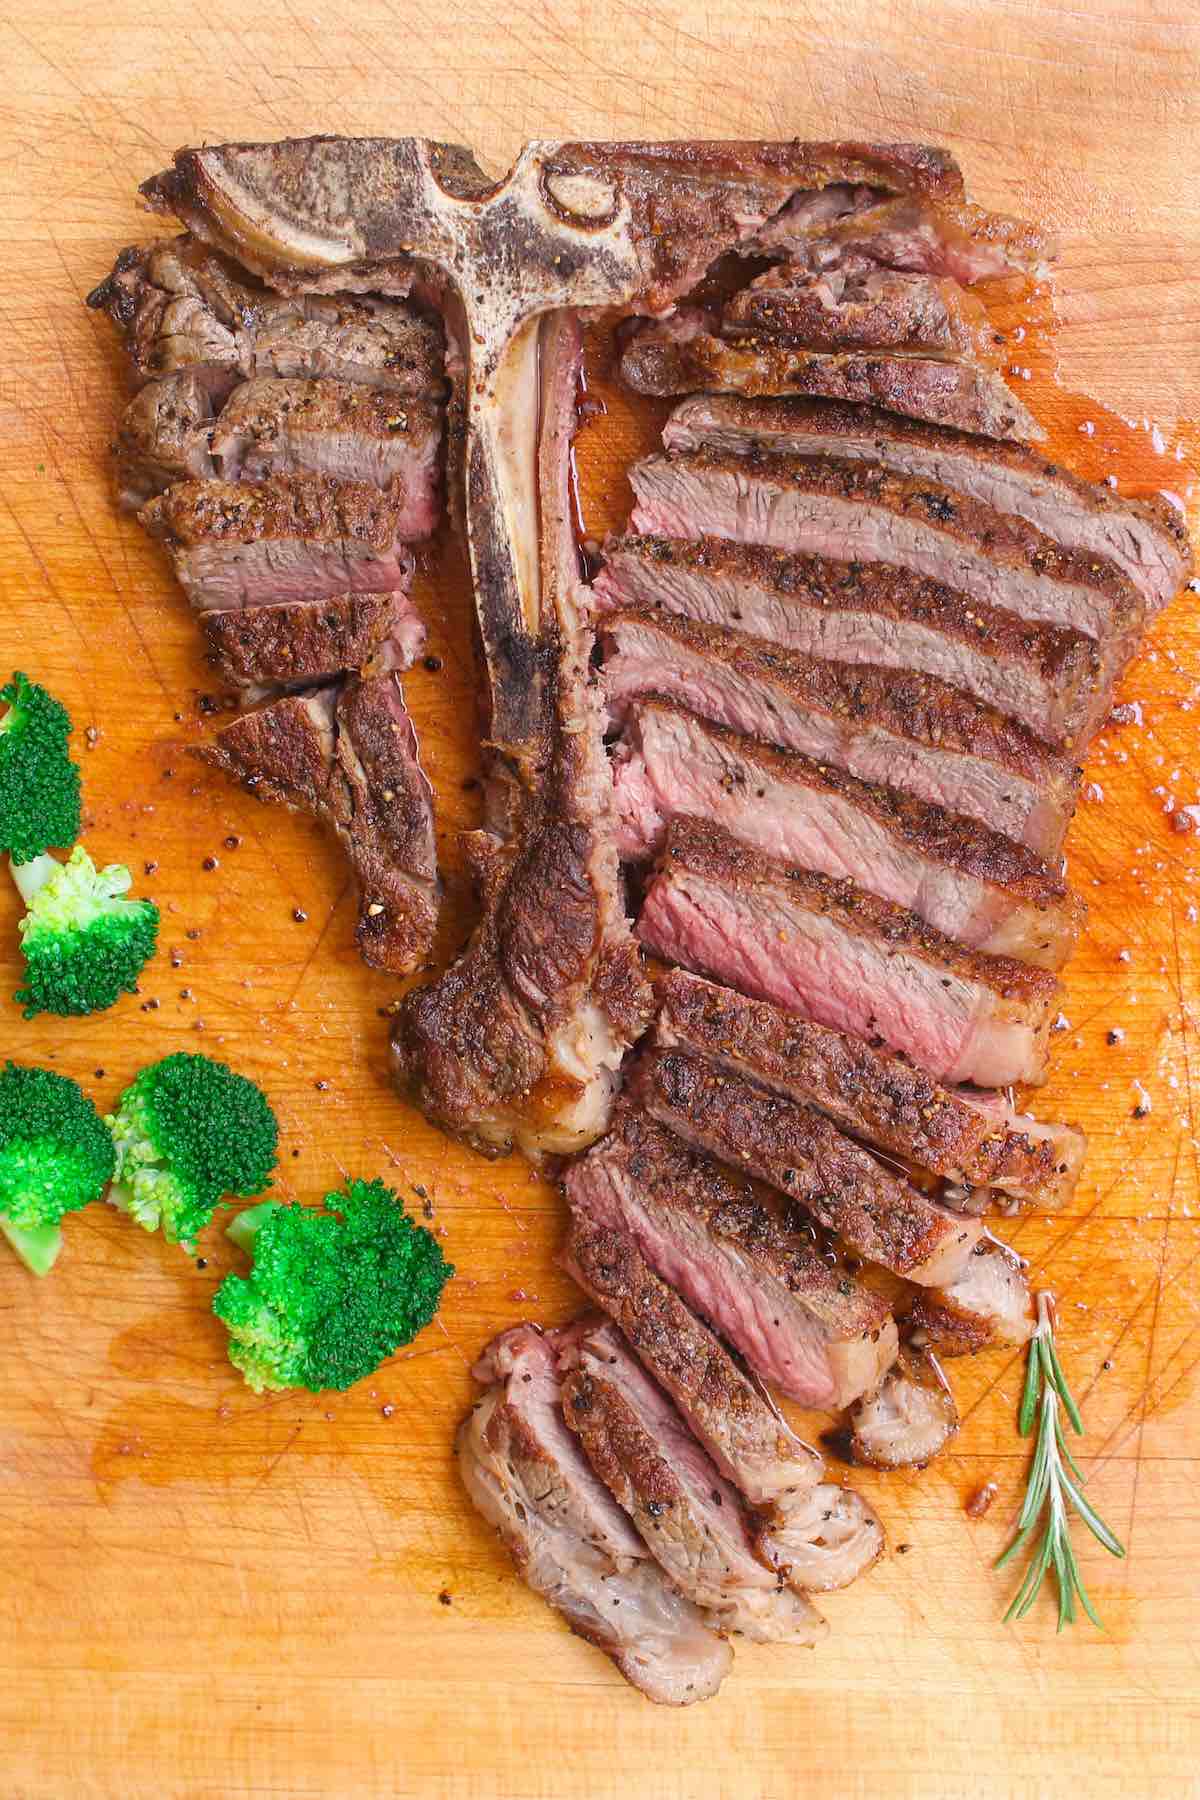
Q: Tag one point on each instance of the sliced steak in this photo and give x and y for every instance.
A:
(520, 1040)
(295, 537)
(923, 233)
(988, 1304)
(970, 883)
(1057, 681)
(971, 1140)
(274, 427)
(872, 309)
(749, 1441)
(1146, 539)
(958, 394)
(910, 731)
(855, 512)
(831, 952)
(910, 1417)
(164, 436)
(181, 305)
(802, 1321)
(826, 1541)
(527, 1476)
(348, 754)
(312, 640)
(689, 1517)
(823, 1174)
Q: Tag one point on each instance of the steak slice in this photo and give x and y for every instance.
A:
(802, 1321)
(295, 537)
(970, 883)
(823, 1174)
(868, 309)
(333, 428)
(971, 1140)
(832, 953)
(930, 234)
(910, 731)
(855, 512)
(659, 361)
(348, 754)
(164, 436)
(181, 305)
(748, 1440)
(525, 1473)
(689, 1517)
(312, 640)
(1146, 539)
(908, 1419)
(520, 1040)
(1058, 682)
(826, 1541)
(987, 1304)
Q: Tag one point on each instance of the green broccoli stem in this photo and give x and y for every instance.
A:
(246, 1227)
(33, 875)
(36, 1245)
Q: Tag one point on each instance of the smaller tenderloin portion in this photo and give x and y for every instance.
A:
(822, 1173)
(1057, 681)
(799, 1318)
(339, 429)
(295, 537)
(661, 362)
(972, 1140)
(830, 952)
(689, 1517)
(862, 308)
(1146, 539)
(348, 754)
(909, 731)
(302, 641)
(525, 1473)
(969, 883)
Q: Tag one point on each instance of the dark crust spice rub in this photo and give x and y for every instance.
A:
(946, 393)
(1061, 670)
(307, 639)
(1137, 534)
(823, 1174)
(748, 1440)
(287, 506)
(1024, 559)
(870, 1092)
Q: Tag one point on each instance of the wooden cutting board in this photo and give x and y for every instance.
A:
(207, 1594)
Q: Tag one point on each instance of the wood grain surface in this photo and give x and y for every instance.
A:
(205, 1594)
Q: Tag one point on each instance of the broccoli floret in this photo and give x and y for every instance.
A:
(39, 784)
(55, 1156)
(84, 944)
(332, 1293)
(189, 1131)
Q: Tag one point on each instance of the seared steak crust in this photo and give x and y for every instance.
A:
(1147, 539)
(748, 1440)
(348, 755)
(947, 393)
(823, 1174)
(1056, 680)
(966, 881)
(852, 961)
(165, 435)
(880, 310)
(312, 640)
(798, 1316)
(913, 731)
(871, 1093)
(861, 512)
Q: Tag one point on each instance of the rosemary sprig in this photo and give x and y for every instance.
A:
(1055, 1484)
